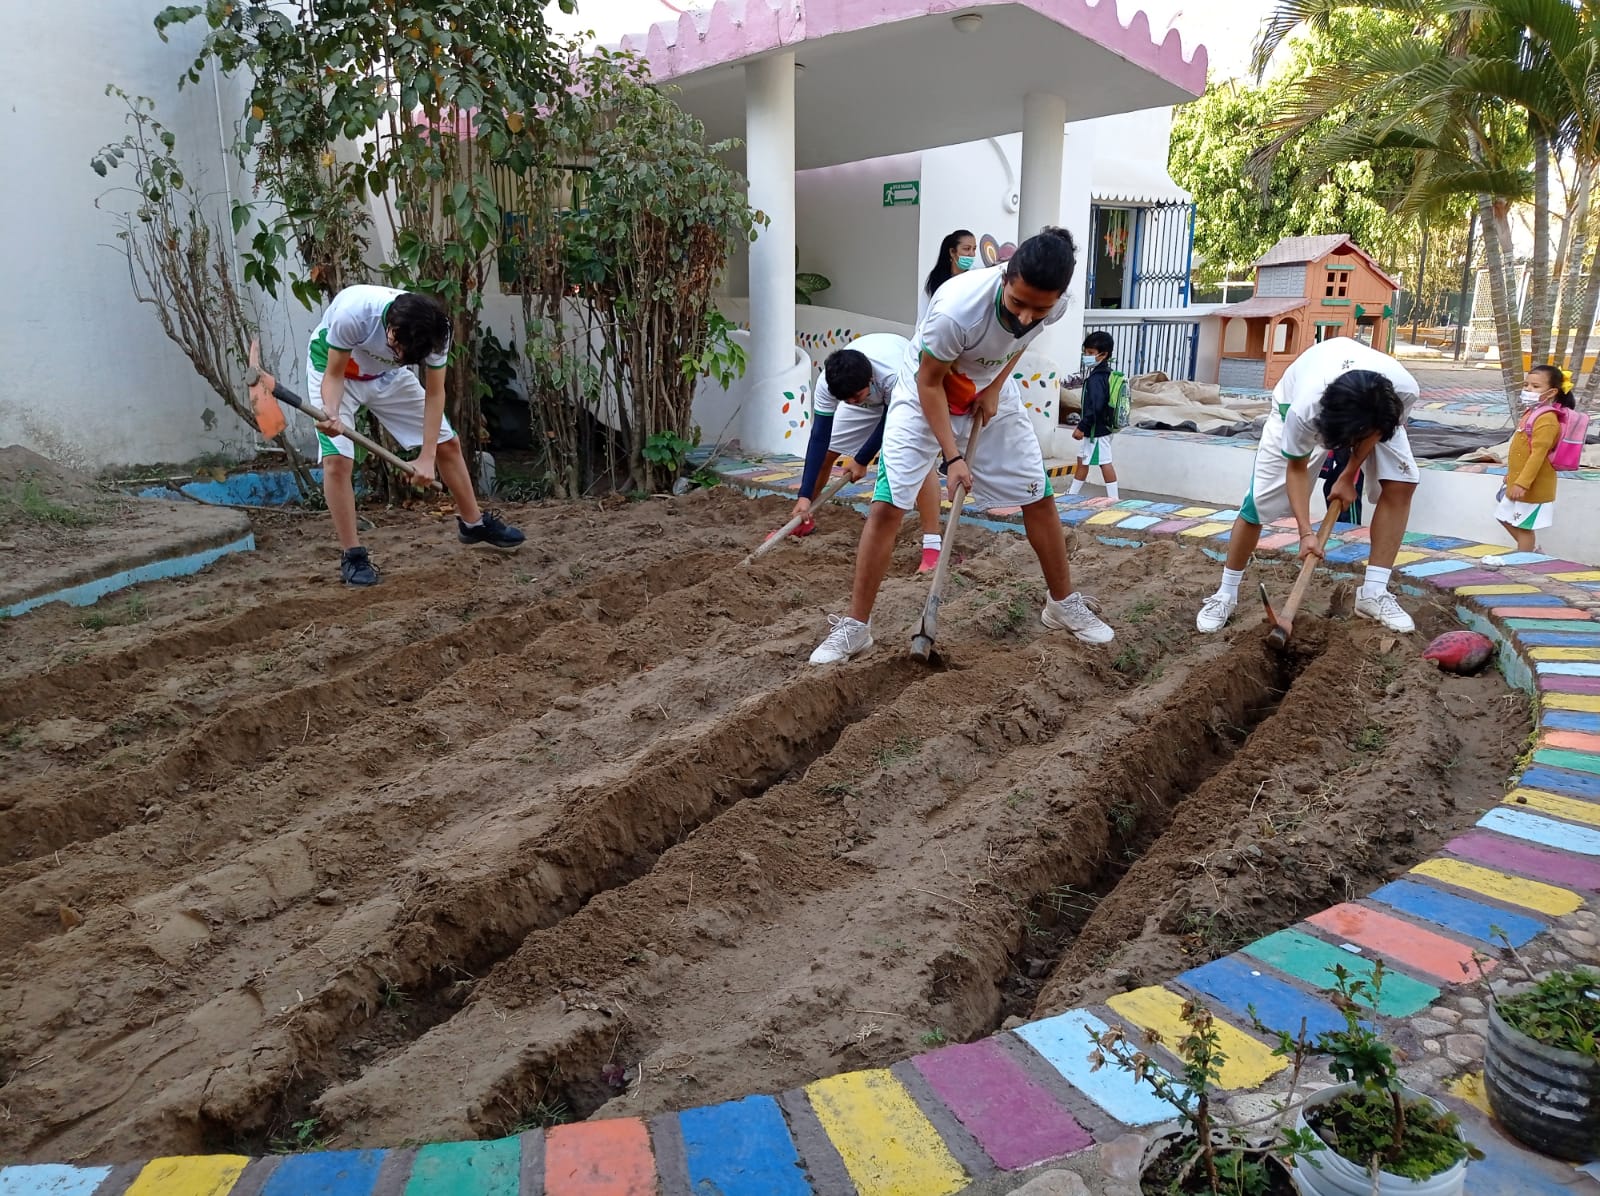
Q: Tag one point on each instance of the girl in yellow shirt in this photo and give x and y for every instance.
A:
(1528, 499)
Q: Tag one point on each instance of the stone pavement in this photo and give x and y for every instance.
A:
(989, 1116)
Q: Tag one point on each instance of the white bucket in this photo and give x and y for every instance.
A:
(1325, 1173)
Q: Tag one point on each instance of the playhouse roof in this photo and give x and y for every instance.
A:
(895, 76)
(1296, 251)
(1263, 305)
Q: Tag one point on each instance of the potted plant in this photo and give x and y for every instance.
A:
(1201, 1156)
(1381, 1136)
(1541, 1064)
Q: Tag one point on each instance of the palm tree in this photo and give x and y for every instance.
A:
(1477, 92)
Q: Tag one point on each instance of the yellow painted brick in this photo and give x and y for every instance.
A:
(1105, 517)
(1513, 890)
(888, 1146)
(1205, 529)
(1470, 1089)
(191, 1175)
(1580, 575)
(1194, 513)
(1564, 653)
(1496, 589)
(1478, 550)
(1408, 558)
(1249, 1063)
(1573, 809)
(1586, 702)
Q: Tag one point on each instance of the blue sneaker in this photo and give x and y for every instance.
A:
(491, 531)
(355, 568)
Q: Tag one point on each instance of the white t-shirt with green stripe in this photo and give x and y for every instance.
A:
(354, 323)
(1298, 396)
(962, 325)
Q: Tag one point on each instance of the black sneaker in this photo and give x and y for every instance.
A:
(493, 531)
(355, 567)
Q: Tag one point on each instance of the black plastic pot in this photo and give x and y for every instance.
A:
(1546, 1098)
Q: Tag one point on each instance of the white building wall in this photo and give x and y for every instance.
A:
(866, 250)
(90, 379)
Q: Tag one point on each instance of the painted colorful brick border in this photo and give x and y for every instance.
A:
(934, 1124)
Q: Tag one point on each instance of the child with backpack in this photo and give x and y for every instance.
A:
(1549, 440)
(1105, 412)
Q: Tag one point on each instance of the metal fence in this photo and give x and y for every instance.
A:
(1145, 345)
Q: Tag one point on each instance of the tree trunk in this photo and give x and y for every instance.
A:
(1576, 286)
(1539, 297)
(1580, 341)
(1506, 334)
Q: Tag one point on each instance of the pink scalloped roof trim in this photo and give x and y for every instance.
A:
(735, 29)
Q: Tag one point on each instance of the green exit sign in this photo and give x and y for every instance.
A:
(901, 195)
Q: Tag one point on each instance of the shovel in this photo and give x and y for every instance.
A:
(264, 388)
(1283, 624)
(922, 641)
(779, 536)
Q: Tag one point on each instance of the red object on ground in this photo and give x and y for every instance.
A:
(805, 529)
(1463, 652)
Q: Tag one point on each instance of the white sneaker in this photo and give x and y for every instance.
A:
(1496, 561)
(1072, 614)
(1386, 610)
(849, 637)
(1215, 612)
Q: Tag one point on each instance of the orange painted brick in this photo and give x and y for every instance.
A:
(599, 1158)
(1397, 941)
(1539, 612)
(1577, 741)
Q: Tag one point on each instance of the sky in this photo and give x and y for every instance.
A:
(1225, 27)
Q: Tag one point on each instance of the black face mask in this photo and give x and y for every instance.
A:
(1010, 322)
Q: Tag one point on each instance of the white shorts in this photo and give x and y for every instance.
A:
(1529, 516)
(1268, 499)
(1094, 450)
(396, 398)
(851, 427)
(1007, 469)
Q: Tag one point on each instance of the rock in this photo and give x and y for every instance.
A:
(1122, 1157)
(328, 897)
(1470, 1005)
(1432, 1047)
(70, 917)
(1582, 937)
(1445, 1014)
(1012, 1022)
(1254, 1107)
(1053, 1183)
(1463, 1049)
(1476, 1025)
(1428, 1027)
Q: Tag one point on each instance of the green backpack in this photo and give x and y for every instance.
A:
(1121, 404)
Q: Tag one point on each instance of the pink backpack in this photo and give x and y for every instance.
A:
(1567, 455)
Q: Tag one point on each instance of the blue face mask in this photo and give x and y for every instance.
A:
(966, 263)
(1090, 360)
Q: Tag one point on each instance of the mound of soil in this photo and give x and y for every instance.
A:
(45, 507)
(509, 841)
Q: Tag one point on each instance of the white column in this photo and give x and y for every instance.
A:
(769, 149)
(1044, 130)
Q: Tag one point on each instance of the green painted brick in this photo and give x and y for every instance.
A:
(1579, 625)
(467, 1169)
(1578, 761)
(1309, 959)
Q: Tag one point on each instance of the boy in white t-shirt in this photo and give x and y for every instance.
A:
(1339, 394)
(359, 357)
(852, 402)
(958, 368)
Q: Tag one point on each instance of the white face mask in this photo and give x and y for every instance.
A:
(1090, 361)
(1530, 398)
